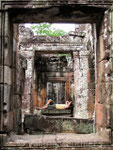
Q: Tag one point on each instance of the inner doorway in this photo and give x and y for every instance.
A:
(53, 77)
(56, 92)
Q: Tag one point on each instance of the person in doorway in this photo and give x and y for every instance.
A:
(50, 104)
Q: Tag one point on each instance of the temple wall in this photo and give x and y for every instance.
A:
(104, 76)
(27, 103)
(18, 84)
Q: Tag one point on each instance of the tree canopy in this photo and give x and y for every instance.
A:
(46, 29)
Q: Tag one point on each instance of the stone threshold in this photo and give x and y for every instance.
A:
(57, 140)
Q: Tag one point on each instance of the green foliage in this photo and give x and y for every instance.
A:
(68, 55)
(46, 29)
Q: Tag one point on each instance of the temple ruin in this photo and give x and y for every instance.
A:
(77, 67)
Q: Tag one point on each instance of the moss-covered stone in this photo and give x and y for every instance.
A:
(37, 123)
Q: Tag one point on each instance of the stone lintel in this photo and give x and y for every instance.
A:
(59, 48)
(47, 3)
(51, 10)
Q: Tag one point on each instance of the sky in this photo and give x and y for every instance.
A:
(67, 27)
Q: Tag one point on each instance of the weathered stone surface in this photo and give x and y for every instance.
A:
(70, 38)
(54, 112)
(57, 124)
(1, 74)
(8, 102)
(19, 76)
(3, 139)
(82, 85)
(1, 97)
(84, 77)
(17, 102)
(105, 133)
(100, 114)
(47, 43)
(6, 71)
(18, 89)
(22, 62)
(91, 85)
(8, 57)
(70, 148)
(27, 95)
(26, 103)
(1, 53)
(103, 93)
(44, 48)
(7, 75)
(1, 106)
(104, 71)
(8, 121)
(14, 76)
(91, 104)
(50, 12)
(65, 141)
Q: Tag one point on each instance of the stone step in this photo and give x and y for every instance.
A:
(60, 141)
(61, 148)
(56, 124)
(54, 112)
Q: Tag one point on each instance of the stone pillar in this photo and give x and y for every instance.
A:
(111, 21)
(27, 51)
(1, 72)
(81, 67)
(27, 103)
(6, 73)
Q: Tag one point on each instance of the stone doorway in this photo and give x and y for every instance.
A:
(83, 13)
(65, 62)
(52, 79)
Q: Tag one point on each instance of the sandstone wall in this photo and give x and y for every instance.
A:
(28, 53)
(104, 77)
(12, 79)
(84, 76)
(20, 65)
(78, 11)
(6, 62)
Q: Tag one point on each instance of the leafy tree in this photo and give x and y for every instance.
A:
(46, 29)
